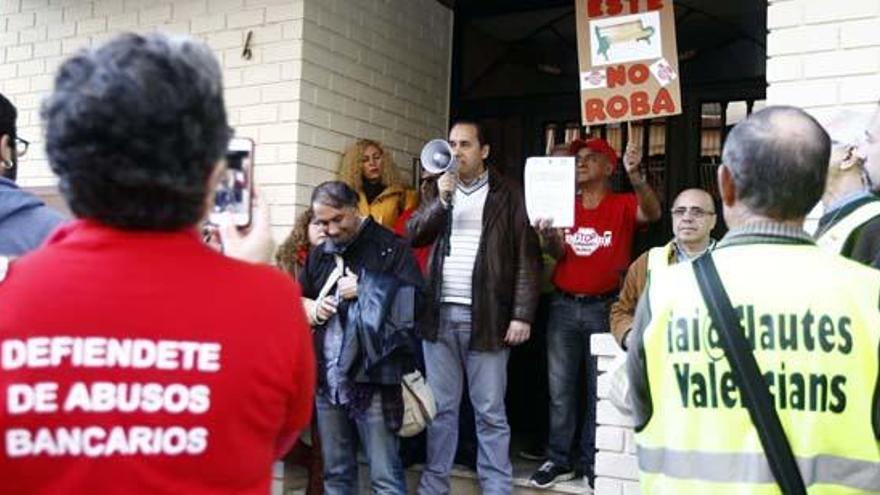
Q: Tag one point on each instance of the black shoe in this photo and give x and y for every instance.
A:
(549, 474)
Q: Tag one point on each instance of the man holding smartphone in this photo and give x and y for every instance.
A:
(135, 359)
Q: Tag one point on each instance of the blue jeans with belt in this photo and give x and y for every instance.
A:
(572, 322)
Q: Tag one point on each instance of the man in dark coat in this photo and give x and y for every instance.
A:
(352, 408)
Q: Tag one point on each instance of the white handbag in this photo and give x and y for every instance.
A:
(419, 407)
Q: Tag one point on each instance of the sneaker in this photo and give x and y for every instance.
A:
(549, 474)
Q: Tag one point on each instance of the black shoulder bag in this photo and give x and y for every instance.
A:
(755, 393)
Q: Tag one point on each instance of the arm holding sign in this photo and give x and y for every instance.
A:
(649, 206)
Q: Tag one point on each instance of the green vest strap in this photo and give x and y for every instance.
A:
(714, 467)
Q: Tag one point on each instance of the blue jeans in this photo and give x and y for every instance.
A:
(447, 362)
(569, 329)
(339, 440)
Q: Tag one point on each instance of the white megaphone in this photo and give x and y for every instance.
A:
(437, 157)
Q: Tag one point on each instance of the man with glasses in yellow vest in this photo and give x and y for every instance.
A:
(693, 218)
(809, 319)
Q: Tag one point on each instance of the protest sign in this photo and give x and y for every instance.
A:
(628, 60)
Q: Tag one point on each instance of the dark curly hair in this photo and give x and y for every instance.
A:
(290, 254)
(134, 129)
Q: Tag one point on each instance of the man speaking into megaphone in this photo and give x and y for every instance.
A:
(481, 298)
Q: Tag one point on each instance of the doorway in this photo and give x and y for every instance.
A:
(515, 68)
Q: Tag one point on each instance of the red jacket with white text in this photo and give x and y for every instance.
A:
(144, 362)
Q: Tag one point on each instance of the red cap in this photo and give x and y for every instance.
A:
(597, 145)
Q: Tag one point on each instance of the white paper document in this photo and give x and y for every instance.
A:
(549, 187)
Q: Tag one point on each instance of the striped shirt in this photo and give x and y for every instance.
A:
(467, 227)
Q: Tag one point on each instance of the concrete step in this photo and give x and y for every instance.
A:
(463, 481)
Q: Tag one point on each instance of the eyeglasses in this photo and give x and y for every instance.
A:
(21, 146)
(695, 211)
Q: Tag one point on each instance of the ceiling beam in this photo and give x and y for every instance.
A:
(493, 8)
(722, 22)
(510, 48)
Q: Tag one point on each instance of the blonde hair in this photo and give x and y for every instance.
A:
(351, 166)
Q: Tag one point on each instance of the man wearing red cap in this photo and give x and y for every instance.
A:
(593, 256)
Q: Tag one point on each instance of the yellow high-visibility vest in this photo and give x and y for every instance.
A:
(658, 258)
(835, 237)
(813, 320)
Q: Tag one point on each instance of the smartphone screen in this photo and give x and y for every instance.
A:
(232, 198)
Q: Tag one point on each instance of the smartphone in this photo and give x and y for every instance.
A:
(234, 193)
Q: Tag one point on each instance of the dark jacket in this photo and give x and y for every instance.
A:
(507, 269)
(378, 330)
(371, 345)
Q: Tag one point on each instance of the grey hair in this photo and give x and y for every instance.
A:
(335, 194)
(134, 128)
(779, 161)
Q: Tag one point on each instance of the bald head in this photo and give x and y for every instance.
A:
(695, 197)
(778, 158)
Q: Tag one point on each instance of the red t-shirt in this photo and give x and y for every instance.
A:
(597, 248)
(144, 362)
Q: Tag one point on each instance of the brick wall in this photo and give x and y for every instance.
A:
(823, 55)
(261, 93)
(617, 467)
(371, 68)
(322, 72)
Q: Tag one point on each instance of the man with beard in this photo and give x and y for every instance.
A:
(24, 220)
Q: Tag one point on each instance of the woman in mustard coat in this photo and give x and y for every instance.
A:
(371, 171)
